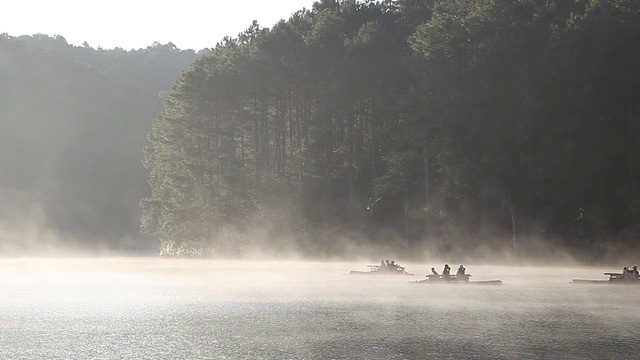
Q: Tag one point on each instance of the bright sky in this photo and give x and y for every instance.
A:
(133, 24)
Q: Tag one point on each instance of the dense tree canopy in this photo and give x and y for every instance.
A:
(451, 124)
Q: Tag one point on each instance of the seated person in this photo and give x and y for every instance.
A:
(461, 270)
(434, 272)
(447, 270)
(634, 272)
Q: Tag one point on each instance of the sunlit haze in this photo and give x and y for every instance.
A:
(202, 309)
(365, 179)
(189, 24)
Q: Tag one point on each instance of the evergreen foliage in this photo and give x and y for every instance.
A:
(467, 122)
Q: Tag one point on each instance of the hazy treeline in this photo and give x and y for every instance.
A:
(73, 122)
(457, 124)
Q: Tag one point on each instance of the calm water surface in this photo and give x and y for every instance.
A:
(176, 309)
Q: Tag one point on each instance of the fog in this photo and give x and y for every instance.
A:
(132, 308)
(347, 165)
(73, 122)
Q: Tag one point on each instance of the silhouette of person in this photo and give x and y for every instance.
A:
(446, 271)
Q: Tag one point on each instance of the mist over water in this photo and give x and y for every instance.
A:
(146, 308)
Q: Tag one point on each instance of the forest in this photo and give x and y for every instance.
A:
(73, 122)
(357, 127)
(451, 127)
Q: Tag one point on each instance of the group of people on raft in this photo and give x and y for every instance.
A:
(446, 272)
(390, 265)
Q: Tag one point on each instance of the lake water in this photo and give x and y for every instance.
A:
(110, 308)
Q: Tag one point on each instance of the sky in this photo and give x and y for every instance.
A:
(134, 24)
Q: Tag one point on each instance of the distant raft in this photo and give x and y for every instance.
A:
(614, 278)
(382, 270)
(455, 279)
